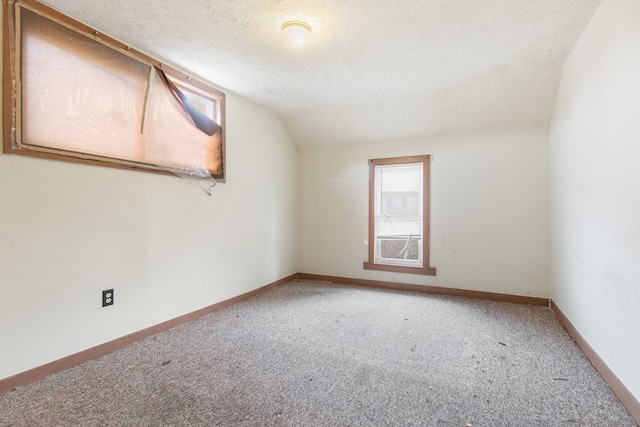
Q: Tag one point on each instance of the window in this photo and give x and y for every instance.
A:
(78, 95)
(399, 215)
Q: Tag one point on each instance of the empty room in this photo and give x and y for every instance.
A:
(320, 213)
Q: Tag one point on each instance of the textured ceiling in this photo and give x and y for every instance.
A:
(376, 70)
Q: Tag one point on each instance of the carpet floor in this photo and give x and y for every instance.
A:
(316, 354)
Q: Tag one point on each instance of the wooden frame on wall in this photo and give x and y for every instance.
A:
(12, 73)
(371, 264)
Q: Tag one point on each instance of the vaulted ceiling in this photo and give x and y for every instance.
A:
(376, 70)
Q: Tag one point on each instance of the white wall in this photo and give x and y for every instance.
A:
(69, 231)
(489, 211)
(595, 196)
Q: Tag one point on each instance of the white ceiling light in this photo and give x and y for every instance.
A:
(297, 33)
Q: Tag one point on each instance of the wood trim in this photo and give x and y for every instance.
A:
(399, 268)
(372, 208)
(491, 296)
(618, 388)
(68, 362)
(399, 160)
(370, 264)
(7, 101)
(426, 214)
(80, 28)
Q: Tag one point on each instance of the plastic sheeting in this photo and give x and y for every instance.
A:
(78, 97)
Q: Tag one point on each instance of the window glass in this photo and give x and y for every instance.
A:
(399, 215)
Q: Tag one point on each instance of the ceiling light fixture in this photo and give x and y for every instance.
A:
(297, 33)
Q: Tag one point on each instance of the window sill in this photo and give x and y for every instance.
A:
(428, 271)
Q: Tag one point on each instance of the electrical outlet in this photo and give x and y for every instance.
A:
(107, 297)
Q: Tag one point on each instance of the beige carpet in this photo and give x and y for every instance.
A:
(316, 354)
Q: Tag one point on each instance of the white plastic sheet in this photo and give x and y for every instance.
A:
(78, 97)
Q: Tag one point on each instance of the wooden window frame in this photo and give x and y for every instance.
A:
(371, 264)
(11, 115)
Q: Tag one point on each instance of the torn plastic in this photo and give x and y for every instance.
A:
(81, 98)
(199, 118)
(175, 140)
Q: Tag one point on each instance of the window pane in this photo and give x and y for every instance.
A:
(398, 213)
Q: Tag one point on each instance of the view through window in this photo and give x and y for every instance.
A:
(399, 215)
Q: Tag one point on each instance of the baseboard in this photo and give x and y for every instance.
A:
(491, 296)
(59, 365)
(625, 396)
